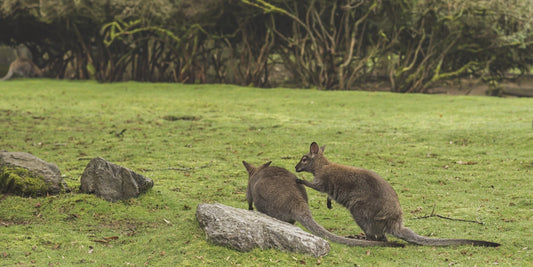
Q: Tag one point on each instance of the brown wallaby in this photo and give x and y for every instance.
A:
(274, 191)
(23, 67)
(371, 200)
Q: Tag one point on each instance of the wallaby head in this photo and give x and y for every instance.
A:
(313, 160)
(252, 169)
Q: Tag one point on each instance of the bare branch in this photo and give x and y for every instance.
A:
(448, 218)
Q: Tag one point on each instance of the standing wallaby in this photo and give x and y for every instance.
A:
(23, 67)
(371, 200)
(274, 191)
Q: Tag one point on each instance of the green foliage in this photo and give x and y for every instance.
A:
(324, 44)
(333, 44)
(336, 44)
(457, 38)
(466, 157)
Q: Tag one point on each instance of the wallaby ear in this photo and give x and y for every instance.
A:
(323, 148)
(249, 167)
(314, 148)
(266, 164)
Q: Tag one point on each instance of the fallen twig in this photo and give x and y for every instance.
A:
(447, 218)
(180, 168)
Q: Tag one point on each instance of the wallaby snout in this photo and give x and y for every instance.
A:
(299, 167)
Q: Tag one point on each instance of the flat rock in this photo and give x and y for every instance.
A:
(24, 174)
(245, 230)
(112, 182)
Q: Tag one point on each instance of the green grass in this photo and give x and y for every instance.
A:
(416, 142)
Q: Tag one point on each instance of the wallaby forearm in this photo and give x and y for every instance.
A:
(309, 184)
(250, 200)
(317, 188)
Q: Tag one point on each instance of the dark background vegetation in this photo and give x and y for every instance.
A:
(327, 44)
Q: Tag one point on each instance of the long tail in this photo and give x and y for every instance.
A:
(308, 222)
(8, 75)
(412, 237)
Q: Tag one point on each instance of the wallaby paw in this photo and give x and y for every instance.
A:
(299, 181)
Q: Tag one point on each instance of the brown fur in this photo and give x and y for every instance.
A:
(23, 67)
(371, 200)
(274, 191)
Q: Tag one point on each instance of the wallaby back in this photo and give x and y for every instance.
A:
(371, 200)
(274, 191)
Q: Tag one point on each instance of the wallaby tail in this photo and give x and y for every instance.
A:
(8, 75)
(315, 228)
(412, 237)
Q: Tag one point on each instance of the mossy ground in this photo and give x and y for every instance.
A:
(463, 157)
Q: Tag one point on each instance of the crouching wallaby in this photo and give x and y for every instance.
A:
(371, 200)
(274, 191)
(23, 67)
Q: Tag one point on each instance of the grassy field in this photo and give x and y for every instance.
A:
(468, 158)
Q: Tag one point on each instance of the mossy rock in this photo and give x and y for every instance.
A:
(27, 175)
(22, 182)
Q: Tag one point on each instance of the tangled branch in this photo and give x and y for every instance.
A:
(448, 218)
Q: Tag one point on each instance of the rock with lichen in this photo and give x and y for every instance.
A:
(24, 174)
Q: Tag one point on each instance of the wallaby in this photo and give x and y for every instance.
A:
(274, 191)
(371, 200)
(23, 67)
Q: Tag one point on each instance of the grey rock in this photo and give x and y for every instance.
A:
(244, 230)
(112, 182)
(49, 180)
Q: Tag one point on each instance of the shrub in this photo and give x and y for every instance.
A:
(327, 44)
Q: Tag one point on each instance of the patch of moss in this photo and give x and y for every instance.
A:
(22, 182)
